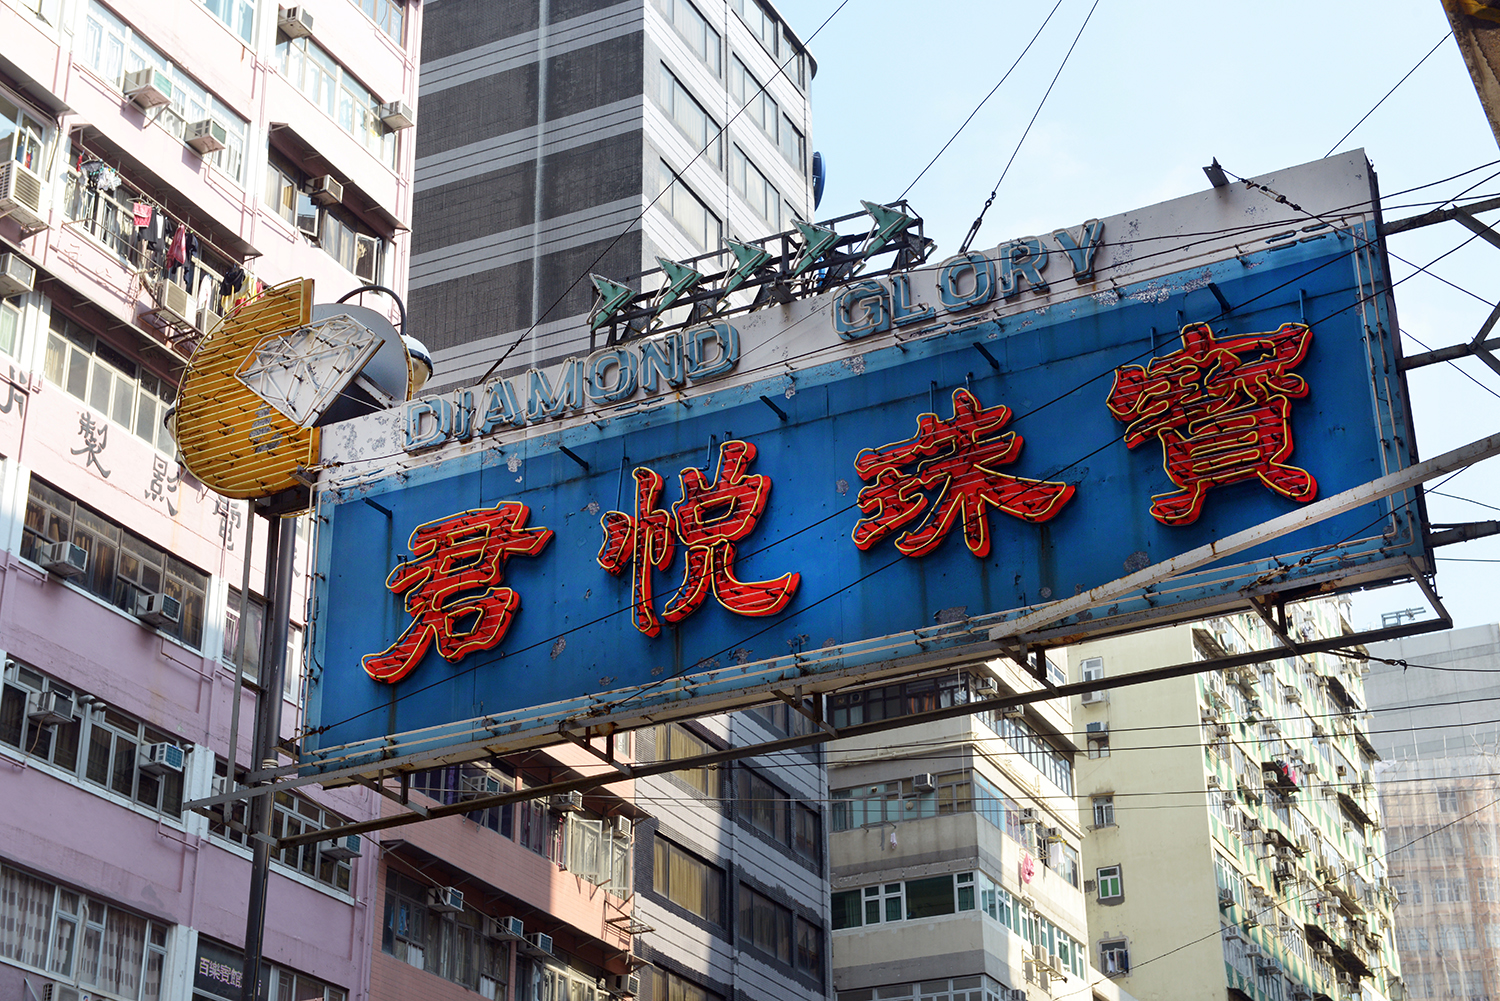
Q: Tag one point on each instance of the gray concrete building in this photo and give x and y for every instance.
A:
(564, 137)
(1437, 732)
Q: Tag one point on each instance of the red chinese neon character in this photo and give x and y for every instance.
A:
(957, 458)
(1222, 412)
(451, 586)
(708, 521)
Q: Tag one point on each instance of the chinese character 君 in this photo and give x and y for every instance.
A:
(1222, 412)
(452, 586)
(957, 459)
(708, 521)
(95, 438)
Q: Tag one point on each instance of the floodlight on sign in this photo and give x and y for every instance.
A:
(302, 371)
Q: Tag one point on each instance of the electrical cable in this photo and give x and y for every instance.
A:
(1388, 93)
(1457, 368)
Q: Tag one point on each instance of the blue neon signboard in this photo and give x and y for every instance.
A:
(942, 475)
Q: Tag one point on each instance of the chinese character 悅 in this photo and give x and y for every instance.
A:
(452, 586)
(708, 521)
(95, 438)
(1222, 412)
(162, 487)
(957, 458)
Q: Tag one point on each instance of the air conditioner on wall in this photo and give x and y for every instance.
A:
(16, 276)
(50, 708)
(1095, 698)
(207, 136)
(21, 195)
(158, 759)
(325, 190)
(923, 782)
(63, 559)
(147, 88)
(625, 985)
(341, 849)
(540, 942)
(566, 802)
(509, 928)
(59, 992)
(621, 826)
(160, 610)
(294, 22)
(208, 318)
(173, 300)
(445, 899)
(396, 115)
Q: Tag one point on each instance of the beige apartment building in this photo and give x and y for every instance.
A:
(1234, 845)
(955, 855)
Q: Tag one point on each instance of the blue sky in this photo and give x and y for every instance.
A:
(1151, 93)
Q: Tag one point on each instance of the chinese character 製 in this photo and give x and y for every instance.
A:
(1222, 412)
(162, 487)
(957, 458)
(708, 521)
(452, 586)
(95, 438)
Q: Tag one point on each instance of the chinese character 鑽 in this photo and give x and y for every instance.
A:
(957, 458)
(452, 586)
(1222, 412)
(708, 521)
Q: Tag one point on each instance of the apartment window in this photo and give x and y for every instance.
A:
(538, 830)
(695, 30)
(674, 742)
(890, 802)
(255, 613)
(793, 144)
(688, 881)
(107, 381)
(1061, 858)
(442, 943)
(327, 84)
(111, 49)
(770, 810)
(99, 745)
(783, 718)
(79, 939)
(455, 783)
(1098, 741)
(702, 227)
(1109, 884)
(24, 140)
(668, 986)
(761, 24)
(1114, 958)
(990, 803)
(1031, 745)
(390, 15)
(750, 184)
(886, 902)
(870, 705)
(689, 117)
(293, 815)
(1448, 801)
(10, 322)
(775, 931)
(1104, 811)
(285, 985)
(238, 15)
(750, 93)
(341, 238)
(121, 565)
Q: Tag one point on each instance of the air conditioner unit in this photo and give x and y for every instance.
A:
(445, 899)
(1014, 712)
(475, 786)
(1029, 816)
(325, 190)
(1051, 834)
(1341, 769)
(1221, 732)
(21, 196)
(1095, 698)
(50, 708)
(1209, 714)
(158, 759)
(566, 802)
(208, 318)
(509, 928)
(341, 849)
(489, 988)
(1226, 898)
(540, 942)
(396, 115)
(1097, 731)
(625, 985)
(16, 276)
(986, 685)
(294, 22)
(63, 559)
(923, 782)
(173, 300)
(621, 826)
(58, 992)
(207, 136)
(147, 88)
(1250, 824)
(160, 610)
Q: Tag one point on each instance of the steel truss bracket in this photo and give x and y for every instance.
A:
(585, 740)
(815, 715)
(403, 797)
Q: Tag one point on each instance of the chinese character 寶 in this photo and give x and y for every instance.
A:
(452, 586)
(708, 521)
(959, 460)
(1222, 412)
